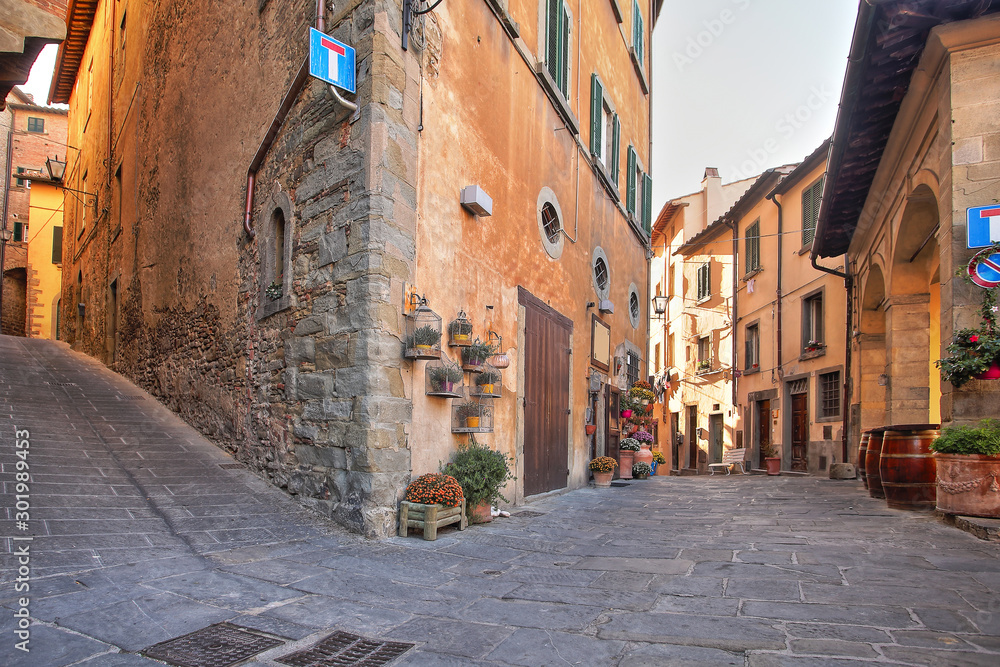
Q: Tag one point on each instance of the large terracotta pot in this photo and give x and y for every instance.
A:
(644, 455)
(967, 484)
(625, 460)
(482, 513)
(603, 479)
(862, 450)
(872, 459)
(773, 465)
(908, 469)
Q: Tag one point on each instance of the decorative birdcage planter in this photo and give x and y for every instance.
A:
(488, 382)
(423, 333)
(476, 354)
(460, 331)
(444, 377)
(472, 414)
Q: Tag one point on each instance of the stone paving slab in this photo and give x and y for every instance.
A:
(141, 536)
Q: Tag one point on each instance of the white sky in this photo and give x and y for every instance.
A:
(743, 85)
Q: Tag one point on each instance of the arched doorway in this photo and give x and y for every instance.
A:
(913, 312)
(15, 302)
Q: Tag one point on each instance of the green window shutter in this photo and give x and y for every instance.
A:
(630, 181)
(596, 107)
(19, 182)
(57, 245)
(615, 148)
(19, 232)
(553, 14)
(811, 198)
(616, 132)
(564, 50)
(647, 204)
(637, 32)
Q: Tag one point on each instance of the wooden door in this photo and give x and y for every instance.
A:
(800, 431)
(612, 421)
(546, 396)
(716, 432)
(674, 432)
(692, 436)
(763, 430)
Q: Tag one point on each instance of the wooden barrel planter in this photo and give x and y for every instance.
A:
(862, 450)
(872, 456)
(908, 470)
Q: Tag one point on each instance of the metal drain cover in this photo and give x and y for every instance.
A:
(342, 649)
(620, 484)
(218, 645)
(527, 514)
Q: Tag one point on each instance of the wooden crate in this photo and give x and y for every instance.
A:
(429, 518)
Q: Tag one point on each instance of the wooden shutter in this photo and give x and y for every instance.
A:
(564, 50)
(811, 198)
(630, 181)
(647, 204)
(596, 107)
(57, 245)
(552, 51)
(615, 148)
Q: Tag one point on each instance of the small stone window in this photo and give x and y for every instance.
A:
(634, 306)
(550, 222)
(276, 255)
(601, 273)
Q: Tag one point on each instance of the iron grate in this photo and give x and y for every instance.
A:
(343, 649)
(219, 645)
(527, 514)
(231, 466)
(137, 397)
(620, 484)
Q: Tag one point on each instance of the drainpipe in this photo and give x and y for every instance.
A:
(279, 118)
(848, 286)
(735, 313)
(780, 362)
(6, 205)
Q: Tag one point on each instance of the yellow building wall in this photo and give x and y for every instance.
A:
(44, 277)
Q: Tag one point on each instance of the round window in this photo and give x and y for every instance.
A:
(550, 227)
(601, 274)
(550, 222)
(634, 307)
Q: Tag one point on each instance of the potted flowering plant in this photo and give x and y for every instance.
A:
(626, 456)
(658, 460)
(968, 465)
(641, 394)
(641, 470)
(772, 458)
(603, 468)
(975, 353)
(813, 345)
(704, 365)
(432, 501)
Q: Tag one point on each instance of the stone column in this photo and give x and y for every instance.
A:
(908, 350)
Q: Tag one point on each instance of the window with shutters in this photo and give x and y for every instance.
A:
(704, 354)
(704, 281)
(20, 232)
(605, 130)
(20, 182)
(557, 24)
(812, 323)
(638, 192)
(753, 247)
(638, 32)
(36, 124)
(751, 355)
(57, 245)
(811, 198)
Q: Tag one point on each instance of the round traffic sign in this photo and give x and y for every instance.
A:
(984, 269)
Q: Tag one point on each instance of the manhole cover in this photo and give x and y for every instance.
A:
(342, 649)
(218, 645)
(61, 384)
(231, 466)
(492, 572)
(527, 514)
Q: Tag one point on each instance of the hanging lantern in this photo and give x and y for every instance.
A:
(499, 360)
(460, 331)
(423, 333)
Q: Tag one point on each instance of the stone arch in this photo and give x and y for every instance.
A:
(913, 313)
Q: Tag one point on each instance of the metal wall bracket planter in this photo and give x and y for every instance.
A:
(444, 377)
(488, 382)
(472, 414)
(460, 331)
(423, 333)
(475, 355)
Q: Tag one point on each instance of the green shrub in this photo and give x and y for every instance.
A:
(481, 471)
(984, 439)
(447, 372)
(426, 335)
(488, 377)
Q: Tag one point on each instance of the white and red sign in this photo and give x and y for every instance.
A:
(331, 61)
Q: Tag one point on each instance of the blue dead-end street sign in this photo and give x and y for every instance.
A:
(331, 61)
(983, 226)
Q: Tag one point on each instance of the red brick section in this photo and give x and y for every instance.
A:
(30, 149)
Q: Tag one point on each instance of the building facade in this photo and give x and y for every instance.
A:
(256, 270)
(897, 202)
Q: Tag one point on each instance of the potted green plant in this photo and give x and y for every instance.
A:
(975, 353)
(443, 378)
(475, 355)
(425, 338)
(603, 468)
(461, 331)
(482, 472)
(625, 406)
(470, 412)
(772, 458)
(274, 291)
(968, 469)
(486, 381)
(641, 470)
(626, 456)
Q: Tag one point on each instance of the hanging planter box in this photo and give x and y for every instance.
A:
(423, 333)
(460, 331)
(472, 414)
(444, 377)
(488, 382)
(475, 355)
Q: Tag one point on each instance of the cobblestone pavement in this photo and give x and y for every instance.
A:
(143, 532)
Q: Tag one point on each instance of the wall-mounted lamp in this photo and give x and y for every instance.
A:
(659, 305)
(606, 307)
(56, 168)
(883, 380)
(476, 201)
